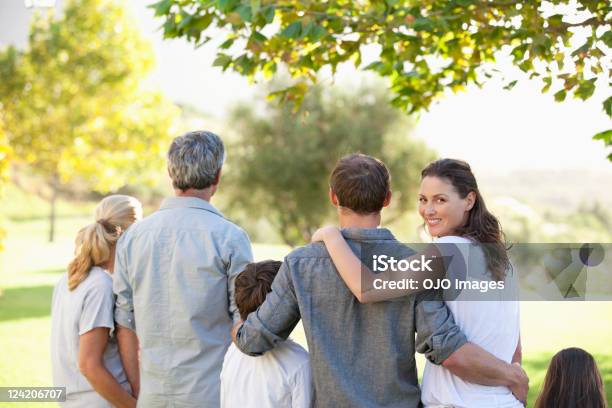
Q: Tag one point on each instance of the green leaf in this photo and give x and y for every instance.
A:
(317, 33)
(268, 13)
(227, 43)
(608, 106)
(585, 89)
(555, 20)
(244, 65)
(519, 52)
(255, 6)
(293, 30)
(560, 96)
(607, 38)
(269, 69)
(170, 30)
(226, 6)
(223, 61)
(583, 49)
(245, 12)
(423, 24)
(547, 82)
(185, 21)
(162, 7)
(306, 30)
(605, 136)
(510, 85)
(201, 23)
(374, 66)
(259, 36)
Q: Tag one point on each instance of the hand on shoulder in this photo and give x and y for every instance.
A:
(324, 233)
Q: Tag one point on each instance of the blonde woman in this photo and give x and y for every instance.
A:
(84, 354)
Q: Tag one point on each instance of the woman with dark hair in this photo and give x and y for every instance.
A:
(453, 212)
(572, 380)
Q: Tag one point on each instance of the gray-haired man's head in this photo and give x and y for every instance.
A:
(195, 160)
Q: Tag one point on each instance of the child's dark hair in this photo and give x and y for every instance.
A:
(572, 381)
(253, 284)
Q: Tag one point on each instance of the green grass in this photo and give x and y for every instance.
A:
(30, 266)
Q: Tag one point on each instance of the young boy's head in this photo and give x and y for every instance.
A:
(253, 284)
(360, 183)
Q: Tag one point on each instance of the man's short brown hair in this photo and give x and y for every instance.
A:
(361, 183)
(253, 284)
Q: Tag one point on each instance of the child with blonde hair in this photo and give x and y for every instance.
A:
(84, 354)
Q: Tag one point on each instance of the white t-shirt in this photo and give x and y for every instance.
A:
(279, 378)
(74, 313)
(492, 325)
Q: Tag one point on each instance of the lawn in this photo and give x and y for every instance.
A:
(30, 266)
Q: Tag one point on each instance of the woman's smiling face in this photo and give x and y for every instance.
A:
(441, 207)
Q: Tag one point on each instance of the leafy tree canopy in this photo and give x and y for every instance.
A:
(281, 162)
(73, 102)
(423, 47)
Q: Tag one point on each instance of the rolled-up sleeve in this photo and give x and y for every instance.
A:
(437, 334)
(239, 255)
(274, 320)
(124, 304)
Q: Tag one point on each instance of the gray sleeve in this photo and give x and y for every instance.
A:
(275, 318)
(97, 308)
(437, 334)
(239, 255)
(124, 304)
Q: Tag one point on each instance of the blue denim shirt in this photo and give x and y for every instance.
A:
(362, 355)
(174, 282)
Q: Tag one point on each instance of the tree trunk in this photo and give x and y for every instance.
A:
(54, 187)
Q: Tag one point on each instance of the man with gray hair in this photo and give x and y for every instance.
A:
(174, 281)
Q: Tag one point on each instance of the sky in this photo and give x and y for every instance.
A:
(495, 130)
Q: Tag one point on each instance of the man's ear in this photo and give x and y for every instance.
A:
(470, 200)
(170, 177)
(333, 198)
(387, 199)
(217, 177)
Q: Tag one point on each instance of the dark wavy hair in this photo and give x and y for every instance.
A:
(572, 380)
(482, 226)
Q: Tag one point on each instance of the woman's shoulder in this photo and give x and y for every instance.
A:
(98, 279)
(453, 239)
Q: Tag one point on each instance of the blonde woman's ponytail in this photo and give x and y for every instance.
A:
(94, 243)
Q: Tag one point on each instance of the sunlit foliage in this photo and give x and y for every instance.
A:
(73, 101)
(423, 47)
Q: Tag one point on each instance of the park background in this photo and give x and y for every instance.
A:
(536, 163)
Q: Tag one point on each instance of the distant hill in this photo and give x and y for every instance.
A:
(555, 190)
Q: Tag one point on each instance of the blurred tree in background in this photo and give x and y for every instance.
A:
(422, 47)
(5, 151)
(282, 160)
(74, 103)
